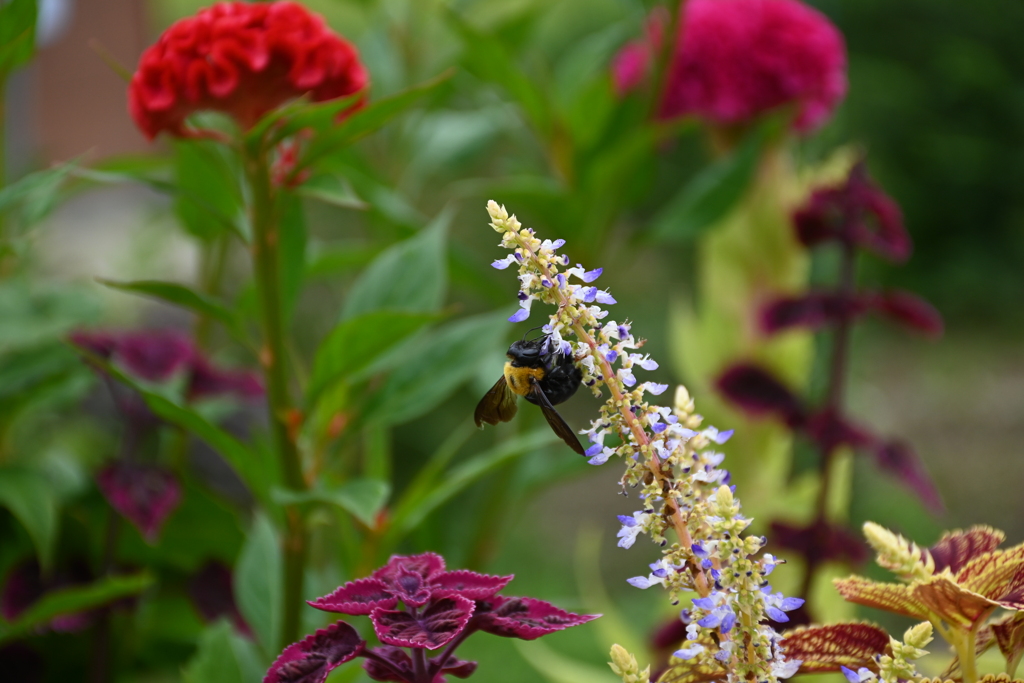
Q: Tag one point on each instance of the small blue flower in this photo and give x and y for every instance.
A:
(519, 316)
(859, 676)
(776, 605)
(592, 275)
(631, 528)
(503, 263)
(604, 297)
(689, 652)
(587, 294)
(594, 450)
(655, 389)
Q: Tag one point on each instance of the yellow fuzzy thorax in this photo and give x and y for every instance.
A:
(519, 379)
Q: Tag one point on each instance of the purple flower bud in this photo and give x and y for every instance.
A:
(611, 356)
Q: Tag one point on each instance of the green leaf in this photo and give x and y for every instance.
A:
(710, 196)
(35, 314)
(208, 191)
(258, 582)
(30, 498)
(34, 195)
(485, 57)
(409, 276)
(367, 120)
(17, 35)
(356, 343)
(438, 364)
(331, 259)
(363, 498)
(71, 600)
(411, 511)
(332, 189)
(180, 295)
(293, 234)
(219, 657)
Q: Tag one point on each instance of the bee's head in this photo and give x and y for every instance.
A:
(527, 352)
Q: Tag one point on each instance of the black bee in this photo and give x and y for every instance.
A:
(542, 376)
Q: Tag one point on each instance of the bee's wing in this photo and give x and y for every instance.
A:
(497, 405)
(563, 430)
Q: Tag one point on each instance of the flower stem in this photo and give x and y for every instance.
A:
(267, 272)
(419, 665)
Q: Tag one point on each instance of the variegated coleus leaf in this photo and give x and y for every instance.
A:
(826, 648)
(953, 603)
(1009, 635)
(956, 548)
(890, 597)
(310, 660)
(998, 576)
(999, 678)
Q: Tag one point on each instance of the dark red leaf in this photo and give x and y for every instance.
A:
(469, 584)
(212, 594)
(388, 663)
(525, 618)
(827, 648)
(669, 635)
(208, 381)
(25, 584)
(456, 667)
(910, 310)
(830, 430)
(357, 597)
(814, 311)
(758, 392)
(439, 622)
(858, 212)
(311, 659)
(899, 459)
(819, 542)
(426, 565)
(154, 355)
(145, 494)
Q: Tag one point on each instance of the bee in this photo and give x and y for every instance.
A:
(542, 376)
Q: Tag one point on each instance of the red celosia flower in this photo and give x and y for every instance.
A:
(737, 59)
(241, 59)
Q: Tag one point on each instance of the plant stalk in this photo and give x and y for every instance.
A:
(267, 273)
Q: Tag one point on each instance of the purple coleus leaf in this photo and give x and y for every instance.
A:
(154, 355)
(830, 430)
(440, 620)
(820, 541)
(813, 310)
(357, 597)
(389, 663)
(758, 392)
(858, 212)
(910, 310)
(145, 494)
(524, 618)
(208, 381)
(311, 659)
(414, 580)
(900, 460)
(213, 596)
(26, 584)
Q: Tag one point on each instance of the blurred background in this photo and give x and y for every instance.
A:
(936, 100)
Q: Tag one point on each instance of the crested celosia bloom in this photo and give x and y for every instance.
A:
(414, 603)
(737, 59)
(670, 457)
(242, 59)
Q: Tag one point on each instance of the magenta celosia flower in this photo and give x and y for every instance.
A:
(414, 603)
(145, 494)
(737, 59)
(241, 59)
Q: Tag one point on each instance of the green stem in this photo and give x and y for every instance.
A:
(267, 272)
(214, 262)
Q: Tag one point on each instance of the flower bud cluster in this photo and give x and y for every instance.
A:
(670, 456)
(899, 666)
